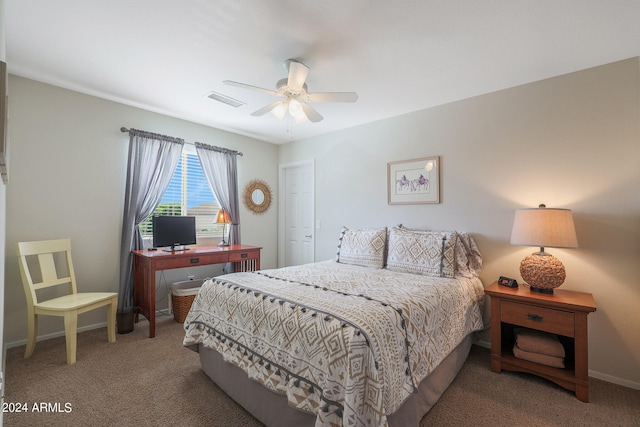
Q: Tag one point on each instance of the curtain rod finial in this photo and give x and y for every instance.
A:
(124, 129)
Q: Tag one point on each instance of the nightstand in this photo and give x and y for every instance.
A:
(563, 313)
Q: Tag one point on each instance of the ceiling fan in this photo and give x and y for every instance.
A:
(294, 96)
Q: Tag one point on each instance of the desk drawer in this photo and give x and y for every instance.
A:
(543, 319)
(191, 260)
(243, 256)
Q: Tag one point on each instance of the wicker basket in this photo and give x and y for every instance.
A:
(182, 296)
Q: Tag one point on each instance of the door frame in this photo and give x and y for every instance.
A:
(282, 205)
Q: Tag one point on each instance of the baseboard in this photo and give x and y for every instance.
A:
(163, 312)
(484, 344)
(593, 374)
(614, 380)
(55, 335)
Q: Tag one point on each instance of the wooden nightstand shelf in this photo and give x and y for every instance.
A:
(563, 313)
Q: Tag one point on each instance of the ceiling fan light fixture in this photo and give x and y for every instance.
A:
(280, 110)
(295, 109)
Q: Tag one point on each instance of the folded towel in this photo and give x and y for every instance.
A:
(539, 342)
(543, 359)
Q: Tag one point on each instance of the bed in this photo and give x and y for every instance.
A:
(370, 338)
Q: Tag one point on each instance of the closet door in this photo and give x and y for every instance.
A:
(297, 239)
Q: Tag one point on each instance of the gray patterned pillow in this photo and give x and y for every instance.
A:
(362, 247)
(430, 253)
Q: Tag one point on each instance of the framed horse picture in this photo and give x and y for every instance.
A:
(414, 181)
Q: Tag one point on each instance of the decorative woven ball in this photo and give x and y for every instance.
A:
(542, 271)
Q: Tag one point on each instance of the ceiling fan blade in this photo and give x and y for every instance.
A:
(297, 74)
(264, 110)
(246, 86)
(311, 114)
(332, 97)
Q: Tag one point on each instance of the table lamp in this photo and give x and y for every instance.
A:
(223, 218)
(543, 227)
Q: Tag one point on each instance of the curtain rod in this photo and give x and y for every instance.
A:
(125, 130)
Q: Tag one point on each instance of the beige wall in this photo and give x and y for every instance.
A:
(68, 167)
(572, 141)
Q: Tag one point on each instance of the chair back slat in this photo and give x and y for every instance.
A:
(58, 282)
(45, 251)
(47, 269)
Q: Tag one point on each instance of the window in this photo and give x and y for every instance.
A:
(188, 194)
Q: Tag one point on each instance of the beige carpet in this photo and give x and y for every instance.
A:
(139, 381)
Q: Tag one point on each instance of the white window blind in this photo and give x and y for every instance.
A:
(188, 194)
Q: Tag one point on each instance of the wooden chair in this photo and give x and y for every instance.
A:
(67, 306)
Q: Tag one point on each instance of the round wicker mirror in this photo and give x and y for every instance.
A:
(257, 196)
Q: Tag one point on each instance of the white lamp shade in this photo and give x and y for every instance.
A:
(295, 109)
(280, 110)
(544, 227)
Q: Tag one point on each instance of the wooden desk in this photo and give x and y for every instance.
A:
(146, 263)
(563, 313)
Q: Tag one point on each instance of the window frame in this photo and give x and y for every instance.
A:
(188, 159)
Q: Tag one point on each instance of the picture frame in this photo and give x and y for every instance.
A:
(414, 181)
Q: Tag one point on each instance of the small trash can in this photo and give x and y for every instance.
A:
(182, 296)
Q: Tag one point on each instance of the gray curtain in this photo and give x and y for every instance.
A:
(220, 166)
(152, 161)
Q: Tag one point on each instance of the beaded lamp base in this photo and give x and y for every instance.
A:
(543, 272)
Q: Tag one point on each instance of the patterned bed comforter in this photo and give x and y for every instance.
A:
(345, 342)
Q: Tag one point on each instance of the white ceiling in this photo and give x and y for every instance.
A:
(399, 56)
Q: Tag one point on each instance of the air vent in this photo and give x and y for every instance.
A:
(225, 99)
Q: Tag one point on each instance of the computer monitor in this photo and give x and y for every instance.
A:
(174, 232)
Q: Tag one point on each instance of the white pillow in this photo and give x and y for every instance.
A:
(362, 247)
(430, 253)
(468, 258)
